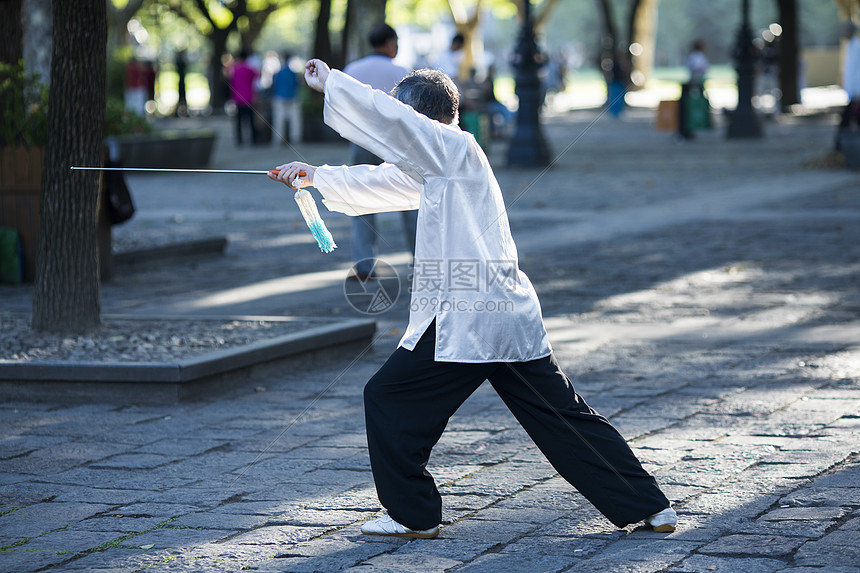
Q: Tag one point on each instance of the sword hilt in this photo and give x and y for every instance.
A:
(297, 183)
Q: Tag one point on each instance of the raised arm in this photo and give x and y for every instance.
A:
(372, 119)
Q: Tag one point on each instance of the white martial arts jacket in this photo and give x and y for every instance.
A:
(466, 274)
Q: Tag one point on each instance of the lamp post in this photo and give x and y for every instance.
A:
(744, 122)
(528, 147)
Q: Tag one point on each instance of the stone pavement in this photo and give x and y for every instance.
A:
(703, 296)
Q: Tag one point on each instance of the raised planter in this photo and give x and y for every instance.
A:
(172, 149)
(20, 196)
(20, 192)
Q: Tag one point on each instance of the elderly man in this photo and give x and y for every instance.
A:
(474, 315)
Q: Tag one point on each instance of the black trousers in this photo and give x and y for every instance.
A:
(850, 115)
(408, 404)
(245, 115)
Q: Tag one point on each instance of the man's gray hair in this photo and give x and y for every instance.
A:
(430, 92)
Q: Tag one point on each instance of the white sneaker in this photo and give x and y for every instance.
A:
(663, 521)
(387, 526)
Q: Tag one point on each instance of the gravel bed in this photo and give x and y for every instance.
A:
(137, 340)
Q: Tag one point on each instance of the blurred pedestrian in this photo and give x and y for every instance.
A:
(286, 105)
(181, 68)
(501, 118)
(242, 78)
(379, 72)
(149, 74)
(135, 87)
(451, 60)
(693, 107)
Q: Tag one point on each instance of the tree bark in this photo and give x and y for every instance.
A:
(361, 17)
(219, 91)
(467, 26)
(642, 29)
(11, 31)
(611, 63)
(788, 54)
(322, 37)
(66, 290)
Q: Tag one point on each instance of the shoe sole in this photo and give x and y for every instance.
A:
(413, 535)
(665, 528)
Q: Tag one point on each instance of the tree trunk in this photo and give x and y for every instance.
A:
(322, 37)
(218, 90)
(611, 63)
(361, 18)
(787, 54)
(473, 46)
(66, 290)
(11, 31)
(642, 30)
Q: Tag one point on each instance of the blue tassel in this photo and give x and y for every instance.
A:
(322, 235)
(311, 215)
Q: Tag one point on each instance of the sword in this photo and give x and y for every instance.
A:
(162, 170)
(306, 202)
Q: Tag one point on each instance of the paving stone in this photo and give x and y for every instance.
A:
(175, 539)
(537, 516)
(742, 544)
(224, 521)
(22, 561)
(97, 495)
(182, 446)
(652, 550)
(409, 563)
(61, 457)
(707, 563)
(315, 518)
(829, 569)
(842, 477)
(497, 532)
(154, 509)
(804, 514)
(741, 503)
(841, 551)
(183, 563)
(114, 559)
(117, 524)
(41, 518)
(330, 553)
(526, 561)
(280, 535)
(789, 528)
(68, 541)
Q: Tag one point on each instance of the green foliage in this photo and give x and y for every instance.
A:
(24, 107)
(119, 121)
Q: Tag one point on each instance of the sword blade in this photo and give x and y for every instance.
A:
(164, 170)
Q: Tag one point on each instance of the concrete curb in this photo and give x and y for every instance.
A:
(184, 250)
(171, 382)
